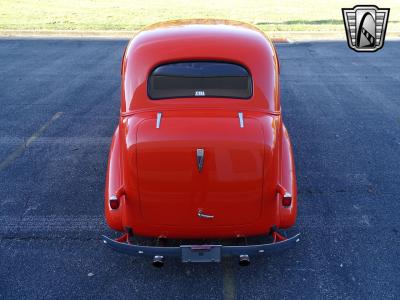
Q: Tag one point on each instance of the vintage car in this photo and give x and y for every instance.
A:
(200, 151)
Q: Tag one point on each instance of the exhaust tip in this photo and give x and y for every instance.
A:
(158, 261)
(244, 260)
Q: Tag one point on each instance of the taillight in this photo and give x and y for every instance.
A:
(286, 196)
(114, 199)
(114, 202)
(287, 199)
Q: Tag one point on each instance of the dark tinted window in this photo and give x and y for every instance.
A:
(200, 79)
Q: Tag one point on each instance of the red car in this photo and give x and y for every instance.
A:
(200, 151)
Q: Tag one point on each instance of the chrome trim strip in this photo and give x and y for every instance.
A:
(241, 119)
(159, 115)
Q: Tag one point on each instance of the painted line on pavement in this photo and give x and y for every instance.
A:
(17, 152)
(229, 290)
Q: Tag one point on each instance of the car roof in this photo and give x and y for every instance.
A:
(199, 39)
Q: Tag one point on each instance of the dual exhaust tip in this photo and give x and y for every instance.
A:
(244, 260)
(158, 261)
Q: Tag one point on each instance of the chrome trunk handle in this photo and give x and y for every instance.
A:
(200, 158)
(200, 214)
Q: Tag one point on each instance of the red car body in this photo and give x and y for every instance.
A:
(246, 183)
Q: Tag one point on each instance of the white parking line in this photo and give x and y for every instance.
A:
(17, 152)
(52, 223)
(58, 140)
(229, 291)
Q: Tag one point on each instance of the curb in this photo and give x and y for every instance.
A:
(275, 36)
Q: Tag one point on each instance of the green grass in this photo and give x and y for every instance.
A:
(289, 15)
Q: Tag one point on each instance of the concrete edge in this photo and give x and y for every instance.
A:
(276, 36)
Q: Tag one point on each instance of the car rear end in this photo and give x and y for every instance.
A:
(202, 160)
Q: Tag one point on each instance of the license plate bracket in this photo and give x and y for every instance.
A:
(201, 253)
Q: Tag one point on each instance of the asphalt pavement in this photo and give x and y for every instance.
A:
(59, 105)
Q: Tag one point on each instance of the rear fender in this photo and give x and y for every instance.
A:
(114, 183)
(287, 215)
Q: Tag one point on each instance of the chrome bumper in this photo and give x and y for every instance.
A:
(200, 253)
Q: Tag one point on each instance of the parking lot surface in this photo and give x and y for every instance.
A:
(59, 106)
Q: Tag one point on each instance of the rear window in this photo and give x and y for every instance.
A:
(200, 79)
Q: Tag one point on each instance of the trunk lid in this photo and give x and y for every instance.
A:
(174, 189)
